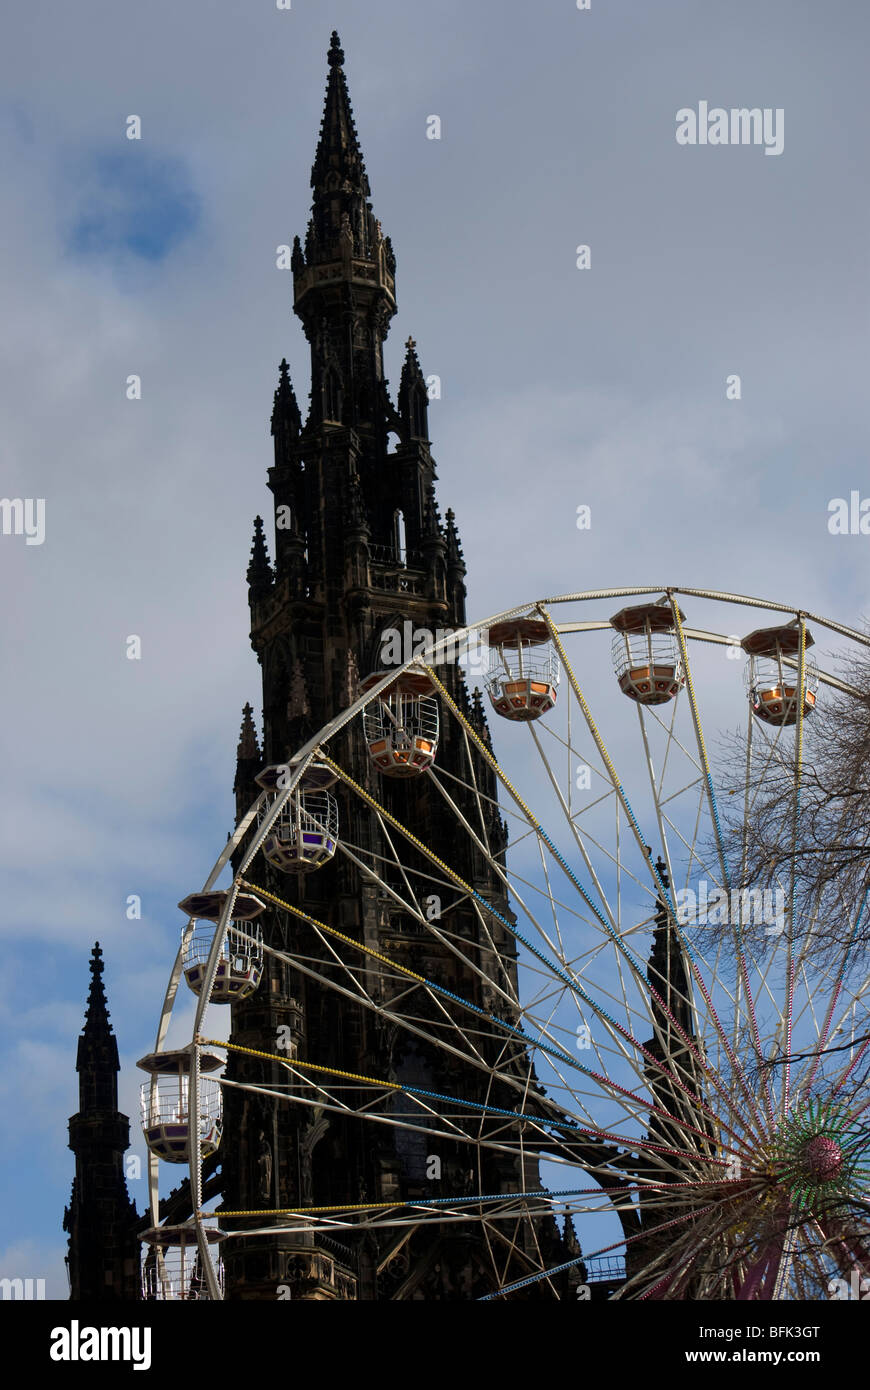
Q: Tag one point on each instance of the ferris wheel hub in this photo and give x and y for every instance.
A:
(823, 1158)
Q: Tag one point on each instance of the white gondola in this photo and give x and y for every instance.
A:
(166, 1109)
(771, 674)
(401, 726)
(172, 1266)
(304, 835)
(523, 670)
(239, 967)
(209, 905)
(646, 654)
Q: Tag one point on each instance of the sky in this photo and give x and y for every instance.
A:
(604, 387)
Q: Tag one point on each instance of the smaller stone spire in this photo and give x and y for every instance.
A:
(249, 760)
(477, 717)
(248, 745)
(413, 396)
(572, 1244)
(455, 557)
(286, 419)
(97, 1059)
(100, 1219)
(411, 369)
(431, 529)
(338, 149)
(97, 1025)
(260, 576)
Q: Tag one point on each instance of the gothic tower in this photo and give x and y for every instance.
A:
(101, 1220)
(360, 551)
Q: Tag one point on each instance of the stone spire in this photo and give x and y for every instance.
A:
(431, 528)
(260, 575)
(97, 1058)
(413, 396)
(286, 419)
(248, 746)
(341, 209)
(249, 760)
(101, 1220)
(97, 1026)
(478, 719)
(455, 557)
(346, 272)
(338, 149)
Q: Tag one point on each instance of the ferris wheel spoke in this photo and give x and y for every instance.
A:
(478, 796)
(560, 950)
(694, 860)
(654, 787)
(775, 760)
(415, 909)
(795, 818)
(703, 759)
(572, 825)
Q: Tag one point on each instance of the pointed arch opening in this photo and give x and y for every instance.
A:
(332, 396)
(418, 411)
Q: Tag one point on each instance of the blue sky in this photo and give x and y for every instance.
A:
(130, 209)
(561, 387)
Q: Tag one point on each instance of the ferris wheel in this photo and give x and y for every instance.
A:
(659, 1018)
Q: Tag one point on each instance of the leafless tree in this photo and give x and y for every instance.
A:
(808, 832)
